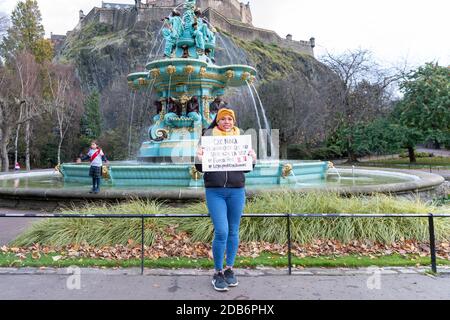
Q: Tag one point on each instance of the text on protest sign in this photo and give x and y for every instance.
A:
(230, 153)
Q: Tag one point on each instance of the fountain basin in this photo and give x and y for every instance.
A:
(47, 190)
(185, 175)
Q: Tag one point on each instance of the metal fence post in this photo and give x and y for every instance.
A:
(289, 243)
(432, 243)
(142, 245)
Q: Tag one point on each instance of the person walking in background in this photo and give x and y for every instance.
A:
(225, 198)
(96, 157)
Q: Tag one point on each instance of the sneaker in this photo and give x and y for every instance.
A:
(219, 282)
(230, 278)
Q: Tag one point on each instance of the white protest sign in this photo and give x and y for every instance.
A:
(228, 153)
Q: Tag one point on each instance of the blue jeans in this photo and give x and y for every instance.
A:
(225, 206)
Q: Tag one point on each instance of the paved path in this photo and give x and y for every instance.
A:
(439, 153)
(10, 228)
(398, 284)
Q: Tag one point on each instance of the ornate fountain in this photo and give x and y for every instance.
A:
(189, 86)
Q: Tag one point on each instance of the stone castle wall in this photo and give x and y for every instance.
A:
(251, 33)
(218, 12)
(232, 9)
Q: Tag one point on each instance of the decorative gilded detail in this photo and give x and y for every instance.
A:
(195, 174)
(229, 74)
(162, 134)
(171, 70)
(185, 99)
(252, 79)
(206, 102)
(105, 172)
(142, 81)
(59, 169)
(246, 76)
(155, 73)
(189, 70)
(287, 170)
(202, 71)
(330, 165)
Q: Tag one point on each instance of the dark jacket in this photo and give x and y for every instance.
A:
(226, 179)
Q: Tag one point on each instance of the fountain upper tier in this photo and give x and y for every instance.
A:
(180, 76)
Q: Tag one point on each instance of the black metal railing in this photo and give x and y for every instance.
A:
(288, 217)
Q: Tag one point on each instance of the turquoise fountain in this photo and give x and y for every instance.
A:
(189, 85)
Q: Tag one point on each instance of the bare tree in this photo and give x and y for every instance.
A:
(10, 107)
(366, 92)
(4, 22)
(300, 106)
(66, 98)
(28, 70)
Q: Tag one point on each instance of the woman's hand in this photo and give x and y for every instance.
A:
(200, 153)
(252, 154)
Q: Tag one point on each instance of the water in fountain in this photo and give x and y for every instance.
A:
(155, 42)
(337, 172)
(225, 46)
(255, 106)
(236, 55)
(266, 120)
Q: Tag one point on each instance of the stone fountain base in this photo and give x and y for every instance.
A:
(419, 184)
(185, 175)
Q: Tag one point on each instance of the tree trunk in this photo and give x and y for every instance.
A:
(61, 138)
(27, 142)
(412, 155)
(1, 153)
(16, 141)
(437, 145)
(352, 158)
(4, 148)
(59, 152)
(16, 145)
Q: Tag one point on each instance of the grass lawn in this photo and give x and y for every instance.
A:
(266, 260)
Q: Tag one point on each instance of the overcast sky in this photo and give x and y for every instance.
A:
(394, 30)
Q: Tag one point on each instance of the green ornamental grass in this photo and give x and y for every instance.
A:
(103, 232)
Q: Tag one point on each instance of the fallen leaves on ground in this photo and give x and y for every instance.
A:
(179, 245)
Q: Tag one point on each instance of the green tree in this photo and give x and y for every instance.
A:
(425, 108)
(27, 33)
(381, 136)
(91, 122)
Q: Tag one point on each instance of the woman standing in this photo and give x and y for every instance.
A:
(225, 198)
